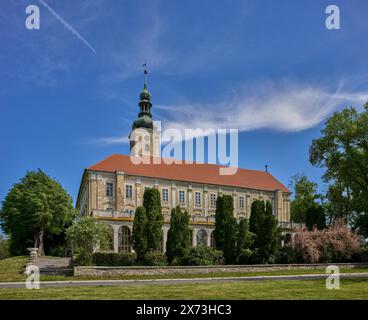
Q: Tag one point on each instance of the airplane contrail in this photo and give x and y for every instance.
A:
(67, 25)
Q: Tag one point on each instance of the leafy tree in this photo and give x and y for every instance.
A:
(178, 244)
(36, 213)
(315, 217)
(139, 235)
(4, 248)
(155, 219)
(305, 197)
(343, 151)
(226, 228)
(86, 236)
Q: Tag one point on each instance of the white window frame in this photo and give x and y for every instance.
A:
(179, 200)
(213, 204)
(128, 186)
(108, 185)
(241, 202)
(165, 190)
(198, 203)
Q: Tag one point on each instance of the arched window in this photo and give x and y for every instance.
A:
(213, 243)
(201, 238)
(124, 239)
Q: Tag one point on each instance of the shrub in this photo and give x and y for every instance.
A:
(203, 256)
(244, 256)
(114, 259)
(155, 259)
(335, 244)
(286, 255)
(85, 235)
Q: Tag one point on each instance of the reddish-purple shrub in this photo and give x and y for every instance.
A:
(334, 244)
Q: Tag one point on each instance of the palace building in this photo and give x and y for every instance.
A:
(113, 188)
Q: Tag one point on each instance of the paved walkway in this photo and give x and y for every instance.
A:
(55, 266)
(82, 283)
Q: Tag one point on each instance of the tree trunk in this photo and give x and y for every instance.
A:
(39, 242)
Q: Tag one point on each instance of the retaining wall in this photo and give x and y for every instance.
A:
(150, 271)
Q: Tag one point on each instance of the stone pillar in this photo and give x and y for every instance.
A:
(173, 196)
(279, 205)
(194, 237)
(119, 191)
(92, 192)
(116, 237)
(138, 193)
(235, 199)
(248, 205)
(190, 200)
(205, 201)
(208, 237)
(165, 231)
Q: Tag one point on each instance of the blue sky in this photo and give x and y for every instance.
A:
(269, 68)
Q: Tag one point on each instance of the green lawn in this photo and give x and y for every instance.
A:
(11, 269)
(280, 289)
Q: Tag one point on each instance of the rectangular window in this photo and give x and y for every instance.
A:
(241, 202)
(165, 195)
(213, 199)
(181, 196)
(109, 189)
(198, 200)
(129, 191)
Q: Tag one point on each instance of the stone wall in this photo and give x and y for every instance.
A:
(151, 271)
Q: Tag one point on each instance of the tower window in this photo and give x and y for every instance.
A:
(109, 189)
(147, 147)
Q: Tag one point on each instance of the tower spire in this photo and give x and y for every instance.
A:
(144, 65)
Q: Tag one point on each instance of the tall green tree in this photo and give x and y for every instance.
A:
(256, 216)
(35, 213)
(264, 225)
(343, 151)
(178, 237)
(305, 192)
(245, 240)
(315, 217)
(226, 228)
(87, 235)
(139, 235)
(155, 219)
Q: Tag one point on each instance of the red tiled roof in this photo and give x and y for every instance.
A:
(193, 172)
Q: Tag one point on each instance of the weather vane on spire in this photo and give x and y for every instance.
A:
(144, 65)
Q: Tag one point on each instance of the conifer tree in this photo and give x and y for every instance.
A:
(139, 235)
(155, 219)
(226, 228)
(178, 244)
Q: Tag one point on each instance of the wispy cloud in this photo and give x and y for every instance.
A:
(282, 107)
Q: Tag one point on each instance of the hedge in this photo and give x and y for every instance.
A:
(114, 259)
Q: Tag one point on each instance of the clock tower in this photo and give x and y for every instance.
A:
(144, 137)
